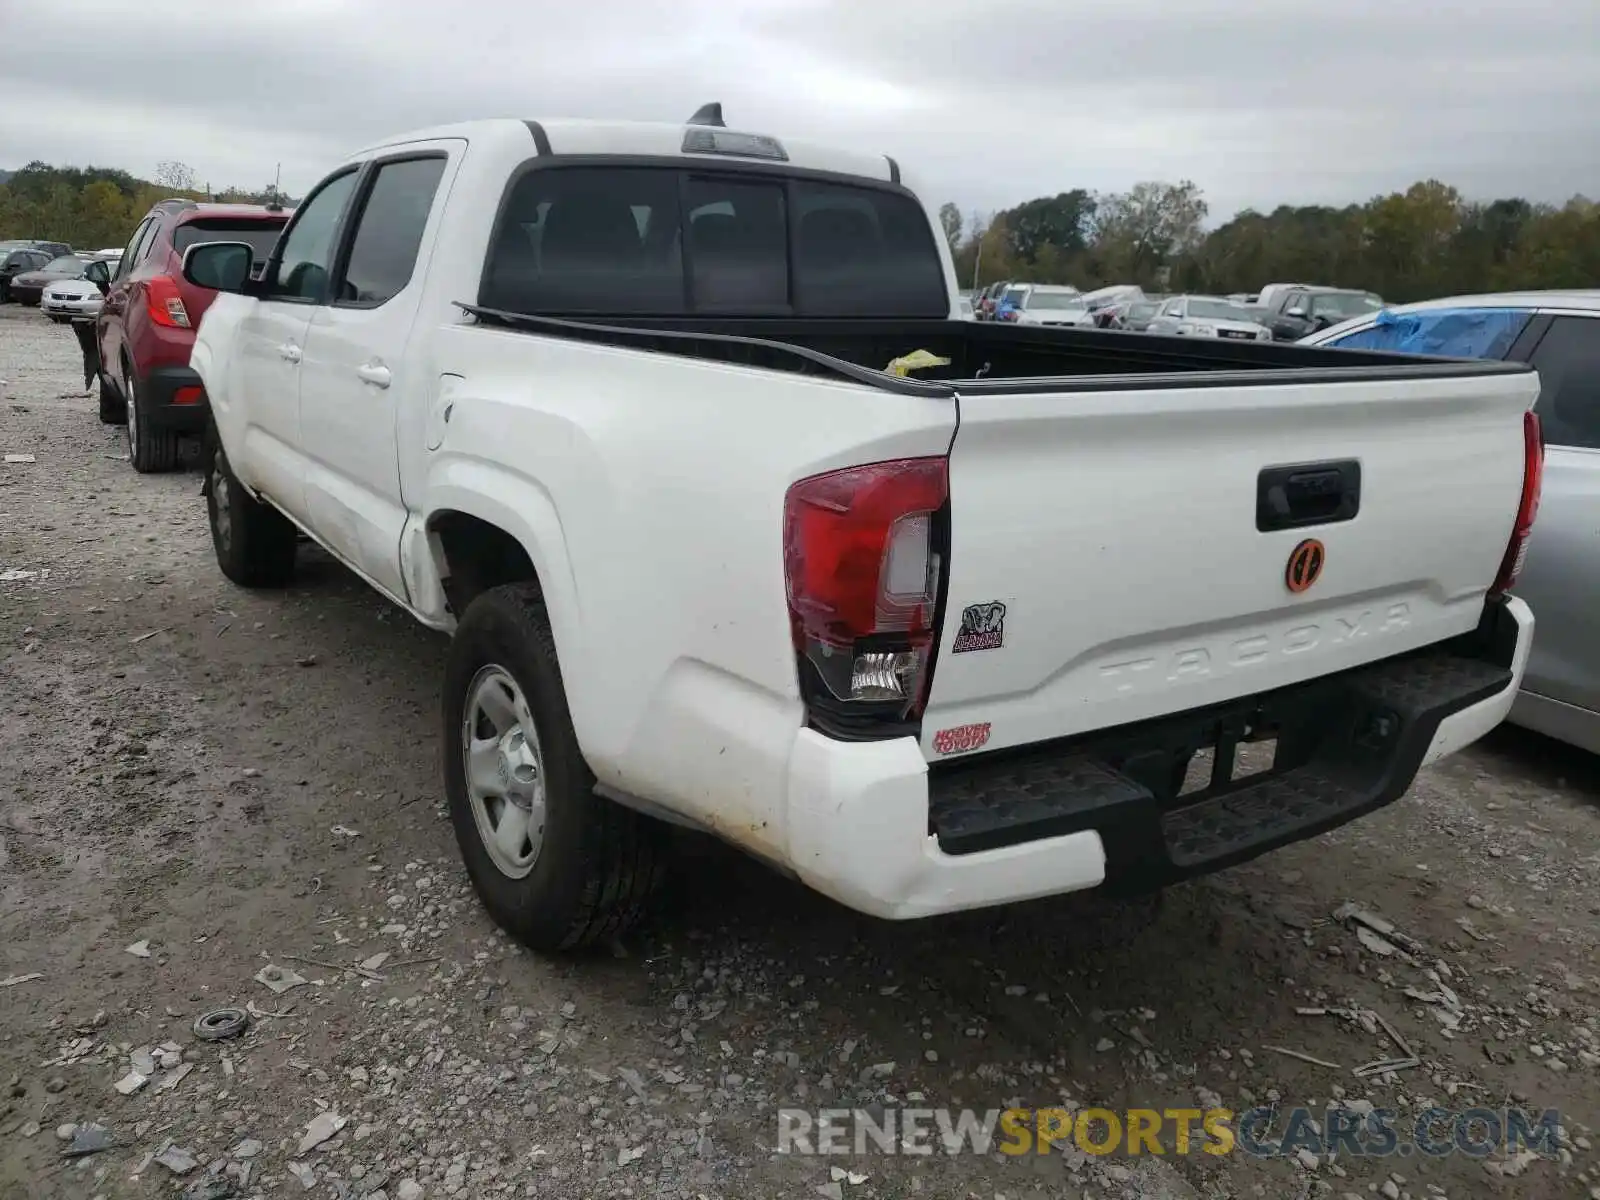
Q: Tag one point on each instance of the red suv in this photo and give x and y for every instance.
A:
(146, 327)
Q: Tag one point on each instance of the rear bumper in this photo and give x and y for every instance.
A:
(160, 393)
(872, 826)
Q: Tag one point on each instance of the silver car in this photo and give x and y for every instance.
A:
(1559, 333)
(1207, 316)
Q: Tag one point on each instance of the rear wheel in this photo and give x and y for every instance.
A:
(557, 866)
(254, 542)
(113, 409)
(150, 450)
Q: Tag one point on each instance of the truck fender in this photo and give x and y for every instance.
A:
(522, 508)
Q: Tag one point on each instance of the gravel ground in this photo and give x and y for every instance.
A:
(199, 783)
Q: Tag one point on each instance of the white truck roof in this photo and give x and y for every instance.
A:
(654, 139)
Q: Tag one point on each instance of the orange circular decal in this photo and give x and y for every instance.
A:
(1305, 565)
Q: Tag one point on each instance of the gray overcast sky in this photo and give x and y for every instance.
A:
(992, 101)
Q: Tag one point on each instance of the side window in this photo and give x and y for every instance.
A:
(388, 234)
(126, 264)
(300, 269)
(738, 246)
(152, 235)
(1568, 361)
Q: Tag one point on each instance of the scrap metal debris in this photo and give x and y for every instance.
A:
(140, 949)
(87, 1140)
(131, 1083)
(177, 1160)
(280, 979)
(322, 1127)
(20, 458)
(175, 1077)
(1376, 934)
(13, 980)
(1371, 1020)
(1287, 1053)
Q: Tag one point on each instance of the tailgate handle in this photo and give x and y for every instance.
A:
(1292, 497)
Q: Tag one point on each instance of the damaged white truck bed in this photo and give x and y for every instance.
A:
(608, 402)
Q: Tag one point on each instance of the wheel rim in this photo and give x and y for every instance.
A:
(133, 414)
(221, 504)
(504, 768)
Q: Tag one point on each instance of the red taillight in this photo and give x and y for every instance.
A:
(166, 302)
(861, 561)
(1527, 509)
(188, 395)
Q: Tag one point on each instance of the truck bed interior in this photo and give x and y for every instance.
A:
(987, 356)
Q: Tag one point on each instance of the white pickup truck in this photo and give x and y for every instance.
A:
(613, 404)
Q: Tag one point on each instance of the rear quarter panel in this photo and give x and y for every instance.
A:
(649, 491)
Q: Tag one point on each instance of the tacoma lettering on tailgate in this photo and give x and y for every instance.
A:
(1184, 662)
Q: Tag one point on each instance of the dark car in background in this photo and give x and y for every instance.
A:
(1301, 311)
(146, 326)
(27, 287)
(18, 258)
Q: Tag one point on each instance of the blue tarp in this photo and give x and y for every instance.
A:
(1453, 332)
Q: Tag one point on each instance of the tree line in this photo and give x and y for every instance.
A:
(1423, 242)
(96, 208)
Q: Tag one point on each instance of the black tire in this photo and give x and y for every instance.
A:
(600, 864)
(113, 409)
(151, 451)
(254, 542)
(59, 320)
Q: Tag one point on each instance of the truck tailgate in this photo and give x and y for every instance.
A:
(1106, 564)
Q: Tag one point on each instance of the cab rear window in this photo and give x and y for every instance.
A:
(644, 241)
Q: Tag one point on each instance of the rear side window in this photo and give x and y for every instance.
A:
(383, 254)
(260, 235)
(662, 241)
(1568, 362)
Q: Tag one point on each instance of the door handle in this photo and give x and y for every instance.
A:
(374, 373)
(290, 351)
(1292, 497)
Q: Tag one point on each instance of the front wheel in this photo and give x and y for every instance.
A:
(557, 866)
(254, 543)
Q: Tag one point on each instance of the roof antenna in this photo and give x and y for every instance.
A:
(708, 114)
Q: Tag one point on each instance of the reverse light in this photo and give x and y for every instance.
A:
(1527, 508)
(861, 562)
(166, 302)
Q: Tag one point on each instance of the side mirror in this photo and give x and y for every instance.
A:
(1296, 311)
(221, 266)
(98, 274)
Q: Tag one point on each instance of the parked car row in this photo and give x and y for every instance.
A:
(24, 257)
